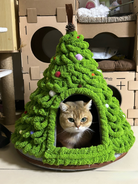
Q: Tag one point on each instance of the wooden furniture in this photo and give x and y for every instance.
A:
(8, 39)
(8, 45)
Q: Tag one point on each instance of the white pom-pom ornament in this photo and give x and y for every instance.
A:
(107, 105)
(51, 93)
(20, 132)
(99, 71)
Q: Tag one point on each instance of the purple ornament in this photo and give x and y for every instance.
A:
(31, 132)
(79, 57)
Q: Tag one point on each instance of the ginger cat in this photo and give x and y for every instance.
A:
(74, 121)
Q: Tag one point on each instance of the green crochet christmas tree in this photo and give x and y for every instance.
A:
(72, 71)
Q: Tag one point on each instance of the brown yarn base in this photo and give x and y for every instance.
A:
(66, 168)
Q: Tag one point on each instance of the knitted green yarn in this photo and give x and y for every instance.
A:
(72, 71)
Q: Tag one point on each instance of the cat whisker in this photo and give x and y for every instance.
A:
(89, 130)
(69, 130)
(61, 132)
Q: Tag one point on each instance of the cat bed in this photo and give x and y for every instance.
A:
(85, 18)
(120, 65)
(99, 11)
(103, 53)
(38, 162)
(72, 71)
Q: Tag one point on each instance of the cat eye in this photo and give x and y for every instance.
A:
(71, 120)
(83, 119)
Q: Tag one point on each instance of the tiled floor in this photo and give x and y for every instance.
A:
(14, 170)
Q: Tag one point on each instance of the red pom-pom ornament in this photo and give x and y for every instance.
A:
(78, 37)
(25, 112)
(57, 74)
(79, 86)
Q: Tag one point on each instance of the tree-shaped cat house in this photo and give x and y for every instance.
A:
(72, 75)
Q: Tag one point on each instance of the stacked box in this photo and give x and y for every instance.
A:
(41, 23)
(121, 84)
(136, 100)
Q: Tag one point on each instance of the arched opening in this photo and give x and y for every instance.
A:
(95, 126)
(44, 42)
(124, 45)
(116, 93)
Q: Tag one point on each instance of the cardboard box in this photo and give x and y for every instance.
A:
(123, 29)
(29, 86)
(135, 7)
(31, 15)
(61, 14)
(45, 7)
(119, 83)
(34, 73)
(39, 41)
(8, 40)
(133, 113)
(136, 100)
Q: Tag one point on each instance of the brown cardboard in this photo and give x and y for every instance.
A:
(27, 31)
(136, 122)
(31, 15)
(123, 29)
(132, 113)
(61, 14)
(44, 7)
(34, 73)
(9, 39)
(132, 85)
(135, 7)
(136, 96)
(136, 100)
(29, 86)
(120, 81)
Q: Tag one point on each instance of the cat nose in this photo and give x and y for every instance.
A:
(78, 126)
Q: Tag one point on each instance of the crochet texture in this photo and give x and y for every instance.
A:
(72, 71)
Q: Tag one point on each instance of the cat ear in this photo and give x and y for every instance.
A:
(88, 105)
(64, 107)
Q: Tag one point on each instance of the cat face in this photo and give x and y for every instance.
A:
(75, 116)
